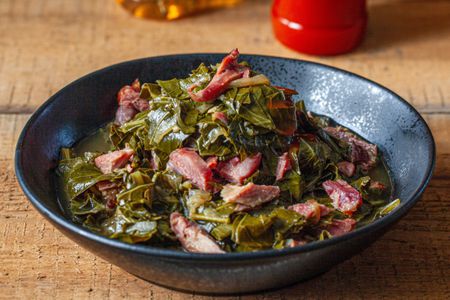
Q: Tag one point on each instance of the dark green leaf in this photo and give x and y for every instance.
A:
(79, 175)
(86, 205)
(214, 140)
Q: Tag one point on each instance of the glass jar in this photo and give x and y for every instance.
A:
(172, 9)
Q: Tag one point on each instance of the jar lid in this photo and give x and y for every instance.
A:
(307, 26)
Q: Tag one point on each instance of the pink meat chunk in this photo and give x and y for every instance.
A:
(236, 171)
(128, 93)
(250, 195)
(283, 166)
(228, 71)
(361, 152)
(111, 161)
(311, 210)
(222, 117)
(346, 168)
(191, 236)
(345, 197)
(130, 102)
(212, 162)
(124, 114)
(191, 166)
(340, 227)
(325, 210)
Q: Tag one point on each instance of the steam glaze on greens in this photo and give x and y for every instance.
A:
(222, 161)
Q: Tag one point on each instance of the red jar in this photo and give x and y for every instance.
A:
(322, 27)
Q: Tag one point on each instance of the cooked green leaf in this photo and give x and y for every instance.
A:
(136, 202)
(79, 175)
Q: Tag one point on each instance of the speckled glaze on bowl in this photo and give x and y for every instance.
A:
(369, 109)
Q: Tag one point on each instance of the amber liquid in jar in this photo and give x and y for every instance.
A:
(172, 9)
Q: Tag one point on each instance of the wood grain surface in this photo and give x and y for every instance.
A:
(45, 44)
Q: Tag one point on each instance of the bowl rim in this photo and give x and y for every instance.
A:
(397, 214)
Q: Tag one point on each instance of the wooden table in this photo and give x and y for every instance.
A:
(45, 44)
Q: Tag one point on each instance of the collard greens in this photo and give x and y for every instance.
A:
(141, 195)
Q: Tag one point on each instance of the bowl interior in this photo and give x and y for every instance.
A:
(372, 111)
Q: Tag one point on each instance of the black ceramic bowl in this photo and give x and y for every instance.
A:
(372, 111)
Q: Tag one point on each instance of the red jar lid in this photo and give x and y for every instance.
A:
(321, 27)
